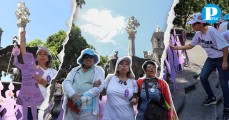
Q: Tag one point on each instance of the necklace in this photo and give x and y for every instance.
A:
(122, 82)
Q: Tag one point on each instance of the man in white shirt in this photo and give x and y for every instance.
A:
(216, 48)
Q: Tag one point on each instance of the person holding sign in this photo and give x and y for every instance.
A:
(42, 62)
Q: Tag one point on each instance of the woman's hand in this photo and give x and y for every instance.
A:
(134, 101)
(40, 80)
(172, 47)
(97, 83)
(75, 97)
(224, 65)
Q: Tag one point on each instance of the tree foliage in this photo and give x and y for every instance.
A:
(186, 8)
(103, 61)
(35, 43)
(76, 43)
(54, 42)
(73, 48)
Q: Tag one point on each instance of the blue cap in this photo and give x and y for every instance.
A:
(226, 17)
(87, 51)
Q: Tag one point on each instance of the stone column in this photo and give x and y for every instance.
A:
(22, 14)
(1, 31)
(131, 30)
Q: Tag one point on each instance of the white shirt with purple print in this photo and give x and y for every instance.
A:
(212, 42)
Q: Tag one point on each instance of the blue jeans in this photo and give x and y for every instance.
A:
(210, 65)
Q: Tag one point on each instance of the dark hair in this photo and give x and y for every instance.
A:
(144, 65)
(206, 24)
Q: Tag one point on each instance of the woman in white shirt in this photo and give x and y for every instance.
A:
(43, 61)
(121, 90)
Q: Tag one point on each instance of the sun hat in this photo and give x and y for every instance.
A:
(90, 52)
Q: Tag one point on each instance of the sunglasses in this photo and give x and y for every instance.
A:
(88, 57)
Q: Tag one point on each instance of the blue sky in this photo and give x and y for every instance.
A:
(103, 22)
(47, 18)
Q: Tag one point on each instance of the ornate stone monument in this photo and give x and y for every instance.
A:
(131, 30)
(22, 14)
(158, 44)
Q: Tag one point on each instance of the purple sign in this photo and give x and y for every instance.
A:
(30, 94)
(48, 78)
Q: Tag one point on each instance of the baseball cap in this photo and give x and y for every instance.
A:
(196, 18)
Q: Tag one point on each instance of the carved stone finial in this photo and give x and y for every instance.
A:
(22, 14)
(131, 30)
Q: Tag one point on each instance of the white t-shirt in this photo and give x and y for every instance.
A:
(212, 41)
(223, 26)
(226, 36)
(118, 106)
(48, 75)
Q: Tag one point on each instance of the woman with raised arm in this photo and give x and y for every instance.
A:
(43, 61)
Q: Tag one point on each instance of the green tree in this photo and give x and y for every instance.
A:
(54, 42)
(35, 43)
(186, 8)
(72, 49)
(103, 62)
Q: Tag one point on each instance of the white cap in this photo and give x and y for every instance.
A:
(43, 48)
(196, 18)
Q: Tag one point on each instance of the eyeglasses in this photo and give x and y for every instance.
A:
(150, 66)
(88, 57)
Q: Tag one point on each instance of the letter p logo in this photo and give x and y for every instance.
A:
(211, 13)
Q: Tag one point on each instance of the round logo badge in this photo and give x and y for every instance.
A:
(211, 13)
(126, 93)
(152, 90)
(48, 78)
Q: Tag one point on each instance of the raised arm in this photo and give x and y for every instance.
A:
(22, 43)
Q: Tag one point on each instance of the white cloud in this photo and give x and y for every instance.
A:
(102, 25)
